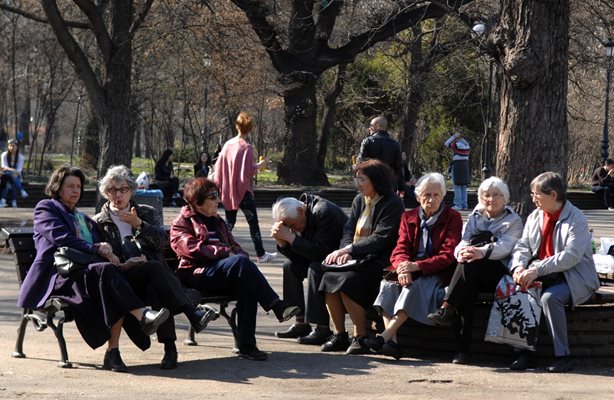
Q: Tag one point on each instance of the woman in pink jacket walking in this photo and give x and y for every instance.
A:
(234, 172)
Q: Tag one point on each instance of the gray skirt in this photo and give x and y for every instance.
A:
(422, 297)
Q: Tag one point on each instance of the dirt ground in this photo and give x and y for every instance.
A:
(293, 371)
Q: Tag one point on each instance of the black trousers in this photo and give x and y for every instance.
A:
(156, 285)
(468, 280)
(607, 192)
(294, 275)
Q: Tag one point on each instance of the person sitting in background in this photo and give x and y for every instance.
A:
(211, 261)
(100, 298)
(369, 236)
(306, 230)
(555, 249)
(12, 165)
(422, 263)
(202, 166)
(603, 182)
(136, 234)
(164, 177)
(492, 230)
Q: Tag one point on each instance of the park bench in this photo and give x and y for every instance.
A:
(55, 313)
(590, 330)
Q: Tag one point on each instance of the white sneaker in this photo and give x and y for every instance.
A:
(24, 194)
(610, 208)
(2, 203)
(266, 257)
(14, 204)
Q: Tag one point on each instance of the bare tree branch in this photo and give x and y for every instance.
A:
(39, 18)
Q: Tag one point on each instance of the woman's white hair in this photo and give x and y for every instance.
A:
(430, 178)
(286, 208)
(494, 183)
(117, 174)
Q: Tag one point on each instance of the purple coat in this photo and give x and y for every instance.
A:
(53, 228)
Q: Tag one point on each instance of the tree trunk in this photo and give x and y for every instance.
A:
(300, 162)
(532, 43)
(117, 137)
(330, 112)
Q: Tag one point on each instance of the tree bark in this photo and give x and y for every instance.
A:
(330, 112)
(299, 163)
(531, 42)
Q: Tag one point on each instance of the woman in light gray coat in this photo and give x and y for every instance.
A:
(483, 255)
(555, 249)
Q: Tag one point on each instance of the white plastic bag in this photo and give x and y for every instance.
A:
(604, 264)
(514, 316)
(606, 242)
(142, 181)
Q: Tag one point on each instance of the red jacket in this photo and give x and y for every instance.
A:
(445, 235)
(189, 239)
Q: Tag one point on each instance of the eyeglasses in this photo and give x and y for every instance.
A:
(360, 180)
(493, 196)
(212, 196)
(122, 190)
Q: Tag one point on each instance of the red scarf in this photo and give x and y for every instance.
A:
(546, 248)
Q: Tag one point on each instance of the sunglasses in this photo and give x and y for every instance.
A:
(122, 190)
(212, 196)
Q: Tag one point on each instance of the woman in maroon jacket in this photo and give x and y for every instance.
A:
(422, 263)
(214, 263)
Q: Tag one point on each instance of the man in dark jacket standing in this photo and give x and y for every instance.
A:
(381, 146)
(306, 230)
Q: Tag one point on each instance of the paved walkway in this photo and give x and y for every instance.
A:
(293, 371)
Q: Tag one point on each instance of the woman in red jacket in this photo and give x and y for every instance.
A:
(422, 263)
(210, 260)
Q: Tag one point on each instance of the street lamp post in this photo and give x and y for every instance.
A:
(478, 31)
(605, 142)
(206, 64)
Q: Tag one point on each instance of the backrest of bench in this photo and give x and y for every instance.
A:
(21, 244)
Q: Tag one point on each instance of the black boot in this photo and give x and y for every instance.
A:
(169, 361)
(113, 361)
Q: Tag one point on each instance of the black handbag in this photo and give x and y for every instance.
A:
(68, 260)
(351, 265)
(131, 247)
(482, 238)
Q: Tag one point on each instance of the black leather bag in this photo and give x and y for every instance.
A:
(482, 238)
(68, 260)
(131, 247)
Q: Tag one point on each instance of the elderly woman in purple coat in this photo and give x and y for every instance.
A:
(100, 299)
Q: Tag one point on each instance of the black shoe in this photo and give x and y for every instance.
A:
(253, 354)
(392, 349)
(169, 361)
(283, 311)
(295, 331)
(202, 318)
(318, 336)
(375, 343)
(525, 361)
(152, 320)
(461, 358)
(358, 346)
(443, 316)
(113, 361)
(561, 364)
(337, 342)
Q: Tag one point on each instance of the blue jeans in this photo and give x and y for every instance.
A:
(15, 181)
(460, 196)
(248, 206)
(240, 277)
